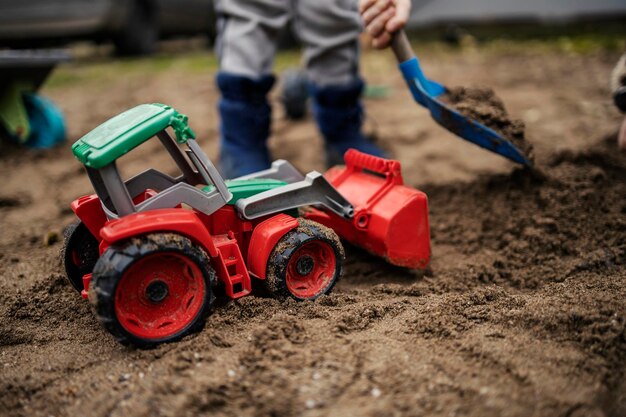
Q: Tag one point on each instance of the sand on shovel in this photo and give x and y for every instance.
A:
(483, 106)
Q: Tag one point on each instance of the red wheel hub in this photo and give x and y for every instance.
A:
(311, 269)
(159, 295)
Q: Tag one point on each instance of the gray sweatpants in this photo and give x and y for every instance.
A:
(248, 33)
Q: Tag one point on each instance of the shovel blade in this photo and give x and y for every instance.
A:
(390, 220)
(475, 132)
(426, 93)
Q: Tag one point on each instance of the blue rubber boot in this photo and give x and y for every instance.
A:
(245, 124)
(339, 115)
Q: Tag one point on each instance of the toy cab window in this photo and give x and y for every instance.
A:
(154, 166)
(149, 155)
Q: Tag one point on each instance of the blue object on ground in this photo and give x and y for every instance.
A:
(47, 126)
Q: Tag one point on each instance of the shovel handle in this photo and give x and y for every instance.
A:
(401, 47)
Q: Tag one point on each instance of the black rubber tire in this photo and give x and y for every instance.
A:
(287, 246)
(116, 260)
(295, 95)
(81, 243)
(140, 33)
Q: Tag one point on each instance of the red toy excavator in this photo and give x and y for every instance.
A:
(148, 251)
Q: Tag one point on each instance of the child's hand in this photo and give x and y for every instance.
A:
(384, 17)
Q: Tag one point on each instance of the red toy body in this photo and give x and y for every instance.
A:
(223, 235)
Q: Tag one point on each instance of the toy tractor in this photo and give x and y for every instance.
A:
(149, 251)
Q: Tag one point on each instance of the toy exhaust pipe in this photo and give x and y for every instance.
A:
(390, 219)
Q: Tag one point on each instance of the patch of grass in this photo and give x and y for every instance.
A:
(98, 70)
(98, 67)
(578, 45)
(287, 59)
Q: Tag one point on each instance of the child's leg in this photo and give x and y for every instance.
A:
(330, 29)
(246, 45)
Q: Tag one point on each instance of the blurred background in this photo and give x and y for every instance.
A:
(68, 65)
(429, 11)
(135, 26)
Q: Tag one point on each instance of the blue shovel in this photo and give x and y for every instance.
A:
(426, 92)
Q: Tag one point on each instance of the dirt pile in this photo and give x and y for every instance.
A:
(525, 296)
(530, 219)
(485, 107)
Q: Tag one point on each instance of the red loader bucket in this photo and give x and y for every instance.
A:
(390, 220)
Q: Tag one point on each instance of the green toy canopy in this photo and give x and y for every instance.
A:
(126, 131)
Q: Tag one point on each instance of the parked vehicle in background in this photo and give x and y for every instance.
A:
(134, 26)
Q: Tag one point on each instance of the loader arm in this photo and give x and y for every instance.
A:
(314, 190)
(280, 170)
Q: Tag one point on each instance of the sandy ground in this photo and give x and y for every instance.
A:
(522, 312)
